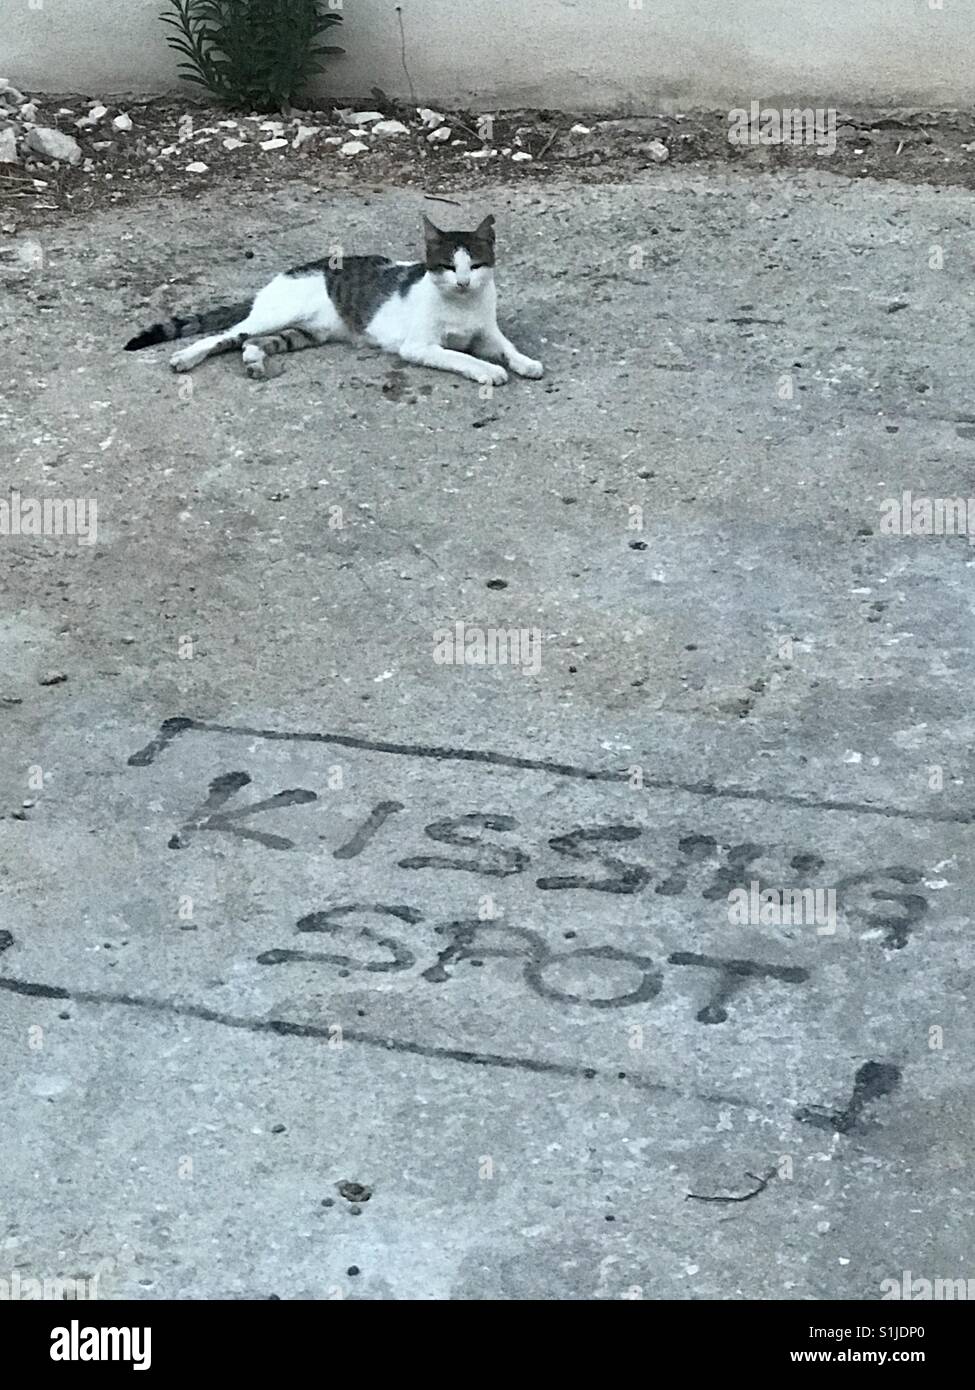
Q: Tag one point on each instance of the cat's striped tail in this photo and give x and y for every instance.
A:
(213, 321)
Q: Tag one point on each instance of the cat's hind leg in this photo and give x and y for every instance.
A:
(286, 302)
(319, 323)
(258, 350)
(189, 357)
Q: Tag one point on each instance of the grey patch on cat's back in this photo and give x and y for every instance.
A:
(410, 275)
(360, 285)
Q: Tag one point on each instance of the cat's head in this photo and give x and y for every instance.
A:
(460, 262)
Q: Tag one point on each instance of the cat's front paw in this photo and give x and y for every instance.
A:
(489, 374)
(526, 366)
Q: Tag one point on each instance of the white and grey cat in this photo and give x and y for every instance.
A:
(439, 312)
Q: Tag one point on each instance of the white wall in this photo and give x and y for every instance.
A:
(561, 53)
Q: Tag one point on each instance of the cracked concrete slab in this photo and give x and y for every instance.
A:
(294, 902)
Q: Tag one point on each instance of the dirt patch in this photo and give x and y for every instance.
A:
(180, 148)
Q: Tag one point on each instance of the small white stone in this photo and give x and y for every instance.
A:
(437, 137)
(28, 112)
(430, 118)
(123, 121)
(94, 116)
(520, 157)
(231, 144)
(197, 167)
(657, 151)
(275, 144)
(349, 117)
(8, 146)
(332, 140)
(390, 128)
(578, 129)
(353, 147)
(304, 135)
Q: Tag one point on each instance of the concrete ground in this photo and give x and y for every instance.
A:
(458, 1010)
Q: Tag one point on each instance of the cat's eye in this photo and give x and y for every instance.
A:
(478, 265)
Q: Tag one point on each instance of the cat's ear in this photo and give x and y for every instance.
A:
(485, 231)
(431, 233)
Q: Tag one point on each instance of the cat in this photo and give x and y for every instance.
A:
(439, 312)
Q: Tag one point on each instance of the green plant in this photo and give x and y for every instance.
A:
(251, 53)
